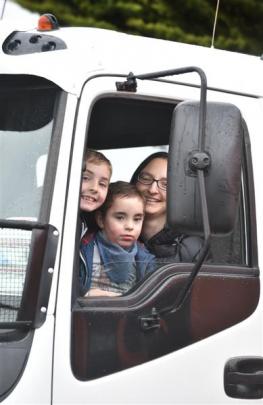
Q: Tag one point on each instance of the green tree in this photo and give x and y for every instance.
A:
(239, 25)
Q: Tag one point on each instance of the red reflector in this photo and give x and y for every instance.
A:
(47, 22)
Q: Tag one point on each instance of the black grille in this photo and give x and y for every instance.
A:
(14, 252)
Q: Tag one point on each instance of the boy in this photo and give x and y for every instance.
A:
(96, 174)
(114, 259)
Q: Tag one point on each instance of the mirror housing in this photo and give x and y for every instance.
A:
(222, 167)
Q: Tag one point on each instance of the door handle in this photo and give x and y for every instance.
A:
(243, 377)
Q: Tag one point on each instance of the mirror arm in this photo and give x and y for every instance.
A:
(204, 207)
(199, 161)
(202, 254)
(131, 85)
(202, 163)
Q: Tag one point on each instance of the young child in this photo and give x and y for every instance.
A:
(114, 259)
(96, 176)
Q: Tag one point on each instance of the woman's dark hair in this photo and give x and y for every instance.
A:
(156, 155)
(119, 189)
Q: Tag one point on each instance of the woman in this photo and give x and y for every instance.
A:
(151, 179)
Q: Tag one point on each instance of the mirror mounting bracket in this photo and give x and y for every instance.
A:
(198, 160)
(128, 85)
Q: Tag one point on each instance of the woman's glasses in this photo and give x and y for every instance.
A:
(148, 180)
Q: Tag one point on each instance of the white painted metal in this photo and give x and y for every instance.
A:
(93, 51)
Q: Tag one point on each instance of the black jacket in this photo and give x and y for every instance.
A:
(170, 247)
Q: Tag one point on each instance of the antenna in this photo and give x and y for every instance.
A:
(3, 10)
(215, 22)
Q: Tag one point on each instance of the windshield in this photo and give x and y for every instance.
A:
(26, 124)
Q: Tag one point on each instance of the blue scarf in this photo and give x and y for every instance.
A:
(119, 263)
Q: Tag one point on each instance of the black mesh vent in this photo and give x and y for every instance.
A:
(14, 252)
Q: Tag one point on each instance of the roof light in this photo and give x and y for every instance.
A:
(47, 22)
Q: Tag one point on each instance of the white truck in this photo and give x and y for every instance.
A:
(188, 333)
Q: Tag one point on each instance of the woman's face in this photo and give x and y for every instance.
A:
(154, 195)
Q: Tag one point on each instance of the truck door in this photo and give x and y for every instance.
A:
(144, 347)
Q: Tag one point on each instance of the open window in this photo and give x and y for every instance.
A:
(112, 334)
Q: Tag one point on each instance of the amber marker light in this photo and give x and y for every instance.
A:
(47, 22)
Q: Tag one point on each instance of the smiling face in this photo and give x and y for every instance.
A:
(94, 186)
(155, 197)
(122, 222)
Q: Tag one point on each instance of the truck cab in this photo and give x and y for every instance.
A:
(188, 333)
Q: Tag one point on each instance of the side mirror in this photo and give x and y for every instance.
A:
(222, 144)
